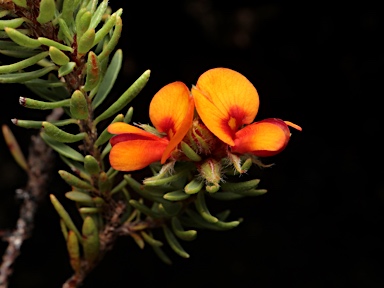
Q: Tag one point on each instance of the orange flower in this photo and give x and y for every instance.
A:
(171, 113)
(226, 101)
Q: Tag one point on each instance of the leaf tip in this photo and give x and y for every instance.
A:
(22, 101)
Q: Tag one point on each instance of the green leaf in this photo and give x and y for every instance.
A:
(93, 76)
(83, 18)
(98, 14)
(66, 69)
(161, 254)
(62, 148)
(105, 135)
(65, 216)
(85, 43)
(103, 31)
(22, 53)
(187, 235)
(226, 196)
(11, 23)
(174, 243)
(91, 242)
(74, 251)
(80, 197)
(21, 39)
(76, 167)
(46, 11)
(25, 76)
(252, 192)
(60, 135)
(114, 40)
(178, 195)
(58, 56)
(150, 240)
(38, 124)
(91, 165)
(144, 209)
(49, 42)
(79, 105)
(46, 92)
(74, 181)
(41, 105)
(12, 46)
(23, 63)
(109, 78)
(194, 186)
(240, 186)
(124, 99)
(189, 152)
(67, 11)
(21, 3)
(47, 83)
(65, 33)
(203, 209)
(14, 147)
(199, 221)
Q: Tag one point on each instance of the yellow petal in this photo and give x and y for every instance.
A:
(136, 154)
(264, 138)
(225, 100)
(169, 106)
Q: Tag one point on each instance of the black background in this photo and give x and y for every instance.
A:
(319, 225)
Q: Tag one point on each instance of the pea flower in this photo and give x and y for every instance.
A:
(171, 113)
(227, 104)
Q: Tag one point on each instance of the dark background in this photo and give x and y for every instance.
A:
(319, 225)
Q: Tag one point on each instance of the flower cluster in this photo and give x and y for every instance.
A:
(226, 103)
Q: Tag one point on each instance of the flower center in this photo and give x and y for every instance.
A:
(232, 123)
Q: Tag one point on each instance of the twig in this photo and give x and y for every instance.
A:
(40, 159)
